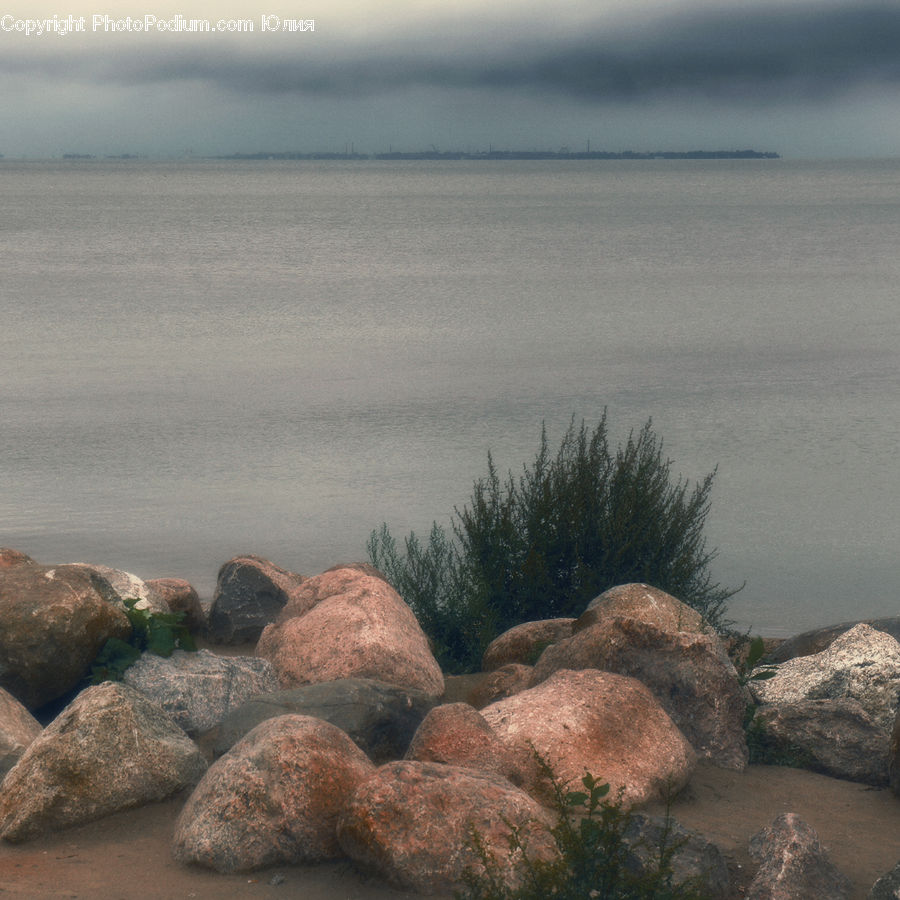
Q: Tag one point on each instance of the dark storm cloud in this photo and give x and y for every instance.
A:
(758, 53)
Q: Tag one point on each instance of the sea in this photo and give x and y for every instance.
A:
(207, 358)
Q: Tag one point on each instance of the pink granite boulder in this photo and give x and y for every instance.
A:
(524, 643)
(644, 603)
(502, 682)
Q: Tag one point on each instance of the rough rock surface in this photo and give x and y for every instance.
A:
(274, 798)
(894, 757)
(411, 823)
(250, 593)
(117, 586)
(689, 673)
(181, 597)
(644, 603)
(53, 622)
(793, 864)
(347, 623)
(18, 728)
(818, 639)
(609, 725)
(887, 887)
(380, 718)
(502, 682)
(835, 737)
(524, 643)
(198, 689)
(111, 749)
(458, 735)
(862, 664)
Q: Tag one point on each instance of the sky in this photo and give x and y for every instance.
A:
(804, 79)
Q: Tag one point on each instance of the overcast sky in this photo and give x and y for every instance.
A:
(806, 79)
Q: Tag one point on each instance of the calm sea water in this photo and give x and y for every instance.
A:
(210, 358)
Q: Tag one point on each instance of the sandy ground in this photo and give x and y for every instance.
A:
(127, 855)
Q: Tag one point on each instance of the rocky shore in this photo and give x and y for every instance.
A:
(313, 739)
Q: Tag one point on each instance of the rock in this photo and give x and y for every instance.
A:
(250, 593)
(53, 622)
(180, 596)
(198, 689)
(887, 887)
(10, 558)
(862, 664)
(346, 623)
(606, 724)
(411, 822)
(502, 682)
(116, 586)
(819, 639)
(109, 750)
(689, 673)
(18, 728)
(380, 718)
(524, 643)
(457, 735)
(696, 861)
(834, 737)
(894, 756)
(793, 864)
(645, 603)
(274, 798)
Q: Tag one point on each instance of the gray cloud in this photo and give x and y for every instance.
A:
(804, 52)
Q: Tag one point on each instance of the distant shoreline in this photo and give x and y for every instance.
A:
(516, 154)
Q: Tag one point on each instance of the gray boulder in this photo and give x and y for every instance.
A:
(250, 593)
(199, 689)
(793, 864)
(834, 737)
(274, 798)
(818, 639)
(18, 728)
(110, 750)
(863, 664)
(381, 718)
(117, 586)
(887, 887)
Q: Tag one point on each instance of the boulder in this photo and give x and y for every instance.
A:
(380, 718)
(412, 823)
(181, 597)
(347, 623)
(606, 724)
(457, 735)
(887, 887)
(793, 864)
(10, 558)
(524, 643)
(834, 737)
(274, 798)
(198, 689)
(502, 682)
(110, 750)
(53, 622)
(250, 593)
(894, 756)
(18, 728)
(862, 664)
(689, 673)
(819, 639)
(117, 586)
(644, 603)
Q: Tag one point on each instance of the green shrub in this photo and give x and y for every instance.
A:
(543, 545)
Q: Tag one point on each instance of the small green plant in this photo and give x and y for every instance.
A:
(748, 664)
(158, 633)
(596, 859)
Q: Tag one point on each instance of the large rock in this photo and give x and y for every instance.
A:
(689, 673)
(524, 643)
(117, 586)
(274, 798)
(198, 689)
(793, 864)
(347, 623)
(110, 750)
(887, 887)
(181, 597)
(862, 664)
(609, 725)
(53, 622)
(250, 593)
(503, 682)
(818, 639)
(457, 735)
(412, 823)
(380, 718)
(644, 603)
(835, 737)
(18, 728)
